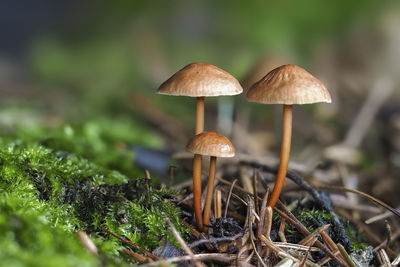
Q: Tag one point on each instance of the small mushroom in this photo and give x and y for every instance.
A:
(287, 85)
(214, 145)
(200, 80)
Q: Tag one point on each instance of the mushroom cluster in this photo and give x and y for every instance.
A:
(286, 85)
(200, 80)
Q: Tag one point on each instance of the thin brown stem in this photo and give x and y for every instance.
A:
(197, 163)
(285, 153)
(197, 190)
(210, 188)
(199, 115)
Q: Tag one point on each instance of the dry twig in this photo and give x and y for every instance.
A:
(136, 256)
(218, 257)
(250, 225)
(182, 243)
(384, 258)
(375, 200)
(318, 231)
(215, 240)
(229, 197)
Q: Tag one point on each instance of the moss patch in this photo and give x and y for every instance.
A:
(49, 190)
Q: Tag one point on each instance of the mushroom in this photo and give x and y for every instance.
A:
(214, 145)
(200, 80)
(287, 85)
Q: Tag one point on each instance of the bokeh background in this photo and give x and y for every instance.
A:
(73, 62)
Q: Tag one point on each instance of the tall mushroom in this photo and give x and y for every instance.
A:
(200, 80)
(287, 85)
(214, 145)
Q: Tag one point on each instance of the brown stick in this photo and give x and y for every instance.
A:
(210, 188)
(305, 241)
(284, 157)
(312, 241)
(329, 242)
(136, 256)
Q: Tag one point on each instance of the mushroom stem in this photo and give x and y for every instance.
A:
(217, 204)
(197, 189)
(199, 115)
(210, 188)
(285, 153)
(197, 163)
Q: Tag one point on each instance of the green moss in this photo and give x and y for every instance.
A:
(355, 238)
(313, 219)
(102, 141)
(27, 238)
(53, 190)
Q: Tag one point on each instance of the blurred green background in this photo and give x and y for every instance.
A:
(74, 61)
(94, 54)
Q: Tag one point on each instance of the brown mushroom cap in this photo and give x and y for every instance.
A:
(211, 144)
(288, 84)
(200, 79)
